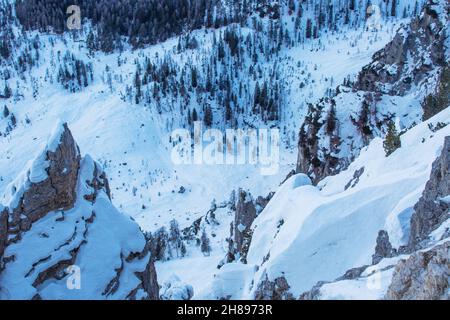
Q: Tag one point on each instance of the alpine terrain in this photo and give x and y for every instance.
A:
(225, 149)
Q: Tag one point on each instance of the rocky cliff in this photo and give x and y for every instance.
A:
(433, 207)
(62, 238)
(240, 229)
(406, 82)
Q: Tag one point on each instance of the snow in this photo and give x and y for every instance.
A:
(311, 233)
(329, 230)
(39, 165)
(445, 199)
(372, 287)
(228, 283)
(116, 132)
(111, 237)
(38, 168)
(301, 180)
(175, 289)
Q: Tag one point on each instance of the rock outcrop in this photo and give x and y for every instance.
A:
(277, 289)
(61, 237)
(412, 66)
(3, 231)
(431, 210)
(423, 276)
(315, 292)
(383, 248)
(425, 273)
(55, 189)
(241, 232)
(392, 72)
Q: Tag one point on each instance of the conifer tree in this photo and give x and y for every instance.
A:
(205, 246)
(392, 141)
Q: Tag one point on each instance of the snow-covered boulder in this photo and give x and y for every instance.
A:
(62, 238)
(175, 289)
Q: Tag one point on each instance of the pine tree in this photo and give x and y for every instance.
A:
(194, 76)
(205, 245)
(331, 120)
(159, 243)
(7, 91)
(194, 115)
(394, 8)
(439, 100)
(352, 5)
(392, 141)
(175, 237)
(208, 116)
(13, 120)
(183, 250)
(228, 111)
(5, 112)
(90, 42)
(137, 85)
(308, 29)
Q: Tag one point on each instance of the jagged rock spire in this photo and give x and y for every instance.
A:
(59, 217)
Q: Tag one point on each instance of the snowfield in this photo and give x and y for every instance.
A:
(305, 234)
(312, 234)
(132, 141)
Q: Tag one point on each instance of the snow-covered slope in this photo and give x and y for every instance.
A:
(268, 71)
(64, 239)
(309, 234)
(132, 142)
(400, 86)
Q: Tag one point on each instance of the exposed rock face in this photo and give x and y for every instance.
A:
(273, 290)
(60, 220)
(383, 248)
(389, 73)
(241, 232)
(3, 231)
(423, 276)
(431, 210)
(149, 282)
(355, 180)
(314, 293)
(352, 273)
(413, 63)
(311, 160)
(57, 191)
(261, 202)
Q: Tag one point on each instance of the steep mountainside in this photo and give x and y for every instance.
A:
(63, 239)
(356, 208)
(326, 238)
(122, 106)
(344, 237)
(395, 88)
